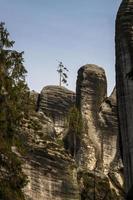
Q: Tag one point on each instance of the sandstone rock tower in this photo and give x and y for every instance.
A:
(100, 147)
(124, 84)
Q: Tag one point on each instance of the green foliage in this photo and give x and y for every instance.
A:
(12, 179)
(75, 121)
(14, 100)
(62, 70)
(13, 89)
(60, 142)
(96, 186)
(73, 138)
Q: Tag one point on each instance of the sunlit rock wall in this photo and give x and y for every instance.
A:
(99, 117)
(51, 170)
(55, 102)
(99, 146)
(52, 174)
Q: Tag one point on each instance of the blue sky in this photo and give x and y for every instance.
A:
(76, 32)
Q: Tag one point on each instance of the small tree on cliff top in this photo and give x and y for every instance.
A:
(62, 70)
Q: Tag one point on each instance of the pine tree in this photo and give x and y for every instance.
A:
(14, 97)
(75, 129)
(62, 70)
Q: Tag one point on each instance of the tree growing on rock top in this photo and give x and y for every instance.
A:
(62, 71)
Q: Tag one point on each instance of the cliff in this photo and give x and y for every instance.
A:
(124, 84)
(100, 146)
(100, 118)
(52, 171)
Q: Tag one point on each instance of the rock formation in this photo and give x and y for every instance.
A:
(99, 149)
(109, 130)
(96, 170)
(55, 102)
(51, 171)
(100, 118)
(124, 84)
(91, 91)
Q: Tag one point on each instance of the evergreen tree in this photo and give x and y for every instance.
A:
(73, 137)
(62, 70)
(14, 98)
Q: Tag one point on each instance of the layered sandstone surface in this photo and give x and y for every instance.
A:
(96, 170)
(99, 113)
(55, 102)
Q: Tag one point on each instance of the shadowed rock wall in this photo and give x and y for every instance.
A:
(124, 84)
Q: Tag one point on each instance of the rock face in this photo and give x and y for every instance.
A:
(50, 170)
(124, 84)
(90, 93)
(100, 117)
(108, 127)
(94, 172)
(94, 185)
(52, 174)
(55, 102)
(100, 149)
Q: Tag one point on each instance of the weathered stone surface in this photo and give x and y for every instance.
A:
(96, 185)
(38, 126)
(90, 93)
(55, 102)
(99, 146)
(108, 125)
(124, 84)
(100, 117)
(51, 172)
